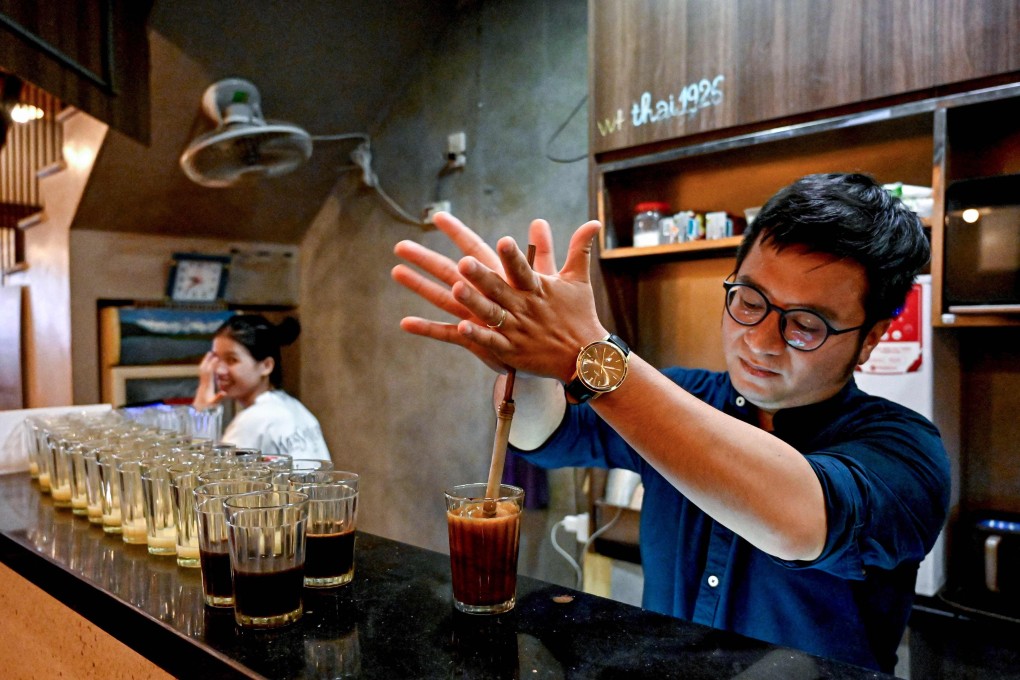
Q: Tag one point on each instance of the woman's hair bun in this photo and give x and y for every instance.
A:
(288, 330)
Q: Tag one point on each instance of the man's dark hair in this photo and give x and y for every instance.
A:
(847, 215)
(262, 338)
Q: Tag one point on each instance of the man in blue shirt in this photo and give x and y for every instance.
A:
(781, 502)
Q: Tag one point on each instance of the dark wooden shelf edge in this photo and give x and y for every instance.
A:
(706, 246)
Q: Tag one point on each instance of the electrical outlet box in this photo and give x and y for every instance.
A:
(456, 143)
(456, 151)
(432, 208)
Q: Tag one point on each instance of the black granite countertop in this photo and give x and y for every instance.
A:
(395, 620)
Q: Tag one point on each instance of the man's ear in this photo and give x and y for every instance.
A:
(872, 339)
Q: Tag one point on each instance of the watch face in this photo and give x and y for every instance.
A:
(602, 366)
(197, 280)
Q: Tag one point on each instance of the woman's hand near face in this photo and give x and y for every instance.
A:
(207, 395)
(438, 290)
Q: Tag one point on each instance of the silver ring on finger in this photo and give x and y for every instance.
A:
(502, 318)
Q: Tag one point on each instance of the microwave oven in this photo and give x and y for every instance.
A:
(981, 259)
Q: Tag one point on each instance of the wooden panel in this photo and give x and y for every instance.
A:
(679, 308)
(40, 637)
(896, 43)
(816, 58)
(981, 139)
(976, 38)
(12, 393)
(776, 59)
(30, 147)
(990, 400)
(93, 55)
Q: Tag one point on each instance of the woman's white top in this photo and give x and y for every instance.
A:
(277, 423)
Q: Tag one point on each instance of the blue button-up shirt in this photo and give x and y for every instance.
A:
(885, 477)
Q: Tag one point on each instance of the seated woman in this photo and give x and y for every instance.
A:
(244, 365)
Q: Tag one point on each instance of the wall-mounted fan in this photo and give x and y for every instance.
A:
(244, 144)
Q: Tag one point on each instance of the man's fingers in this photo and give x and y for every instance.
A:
(429, 290)
(439, 266)
(519, 273)
(466, 240)
(481, 303)
(481, 282)
(579, 253)
(435, 330)
(449, 333)
(540, 235)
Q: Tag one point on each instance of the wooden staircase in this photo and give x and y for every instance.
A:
(32, 150)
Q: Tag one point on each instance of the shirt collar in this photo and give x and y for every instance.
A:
(797, 425)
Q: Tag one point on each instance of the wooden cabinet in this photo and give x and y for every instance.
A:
(664, 69)
(93, 55)
(979, 137)
(929, 143)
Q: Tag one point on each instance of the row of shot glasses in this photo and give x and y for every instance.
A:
(260, 526)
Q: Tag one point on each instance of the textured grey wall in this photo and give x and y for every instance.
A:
(410, 415)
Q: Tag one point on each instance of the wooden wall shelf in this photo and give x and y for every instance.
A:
(702, 247)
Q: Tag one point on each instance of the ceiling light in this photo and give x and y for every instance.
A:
(24, 113)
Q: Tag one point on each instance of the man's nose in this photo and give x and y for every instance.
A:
(766, 337)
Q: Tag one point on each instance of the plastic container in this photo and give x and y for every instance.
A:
(646, 223)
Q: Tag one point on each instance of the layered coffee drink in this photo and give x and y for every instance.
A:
(484, 544)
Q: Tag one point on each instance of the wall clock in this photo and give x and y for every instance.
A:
(195, 277)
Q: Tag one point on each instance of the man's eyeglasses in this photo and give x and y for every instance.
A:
(802, 329)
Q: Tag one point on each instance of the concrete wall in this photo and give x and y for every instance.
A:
(410, 415)
(109, 265)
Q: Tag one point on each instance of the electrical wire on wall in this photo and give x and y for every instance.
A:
(571, 523)
(362, 159)
(560, 129)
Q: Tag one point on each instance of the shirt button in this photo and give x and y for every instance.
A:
(713, 581)
(741, 401)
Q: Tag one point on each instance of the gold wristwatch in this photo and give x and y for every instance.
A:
(601, 368)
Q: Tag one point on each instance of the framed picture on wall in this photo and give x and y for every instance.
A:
(146, 384)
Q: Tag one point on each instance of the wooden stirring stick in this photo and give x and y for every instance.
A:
(504, 416)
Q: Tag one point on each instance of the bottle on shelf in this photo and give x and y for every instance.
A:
(646, 223)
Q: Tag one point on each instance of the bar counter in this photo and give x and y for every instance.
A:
(395, 620)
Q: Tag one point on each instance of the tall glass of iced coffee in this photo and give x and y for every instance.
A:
(484, 541)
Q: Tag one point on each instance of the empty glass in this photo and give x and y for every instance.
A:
(255, 474)
(281, 478)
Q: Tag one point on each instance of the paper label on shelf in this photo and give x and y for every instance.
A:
(900, 349)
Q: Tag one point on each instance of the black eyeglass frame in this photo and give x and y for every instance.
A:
(769, 307)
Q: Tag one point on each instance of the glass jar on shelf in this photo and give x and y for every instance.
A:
(646, 223)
